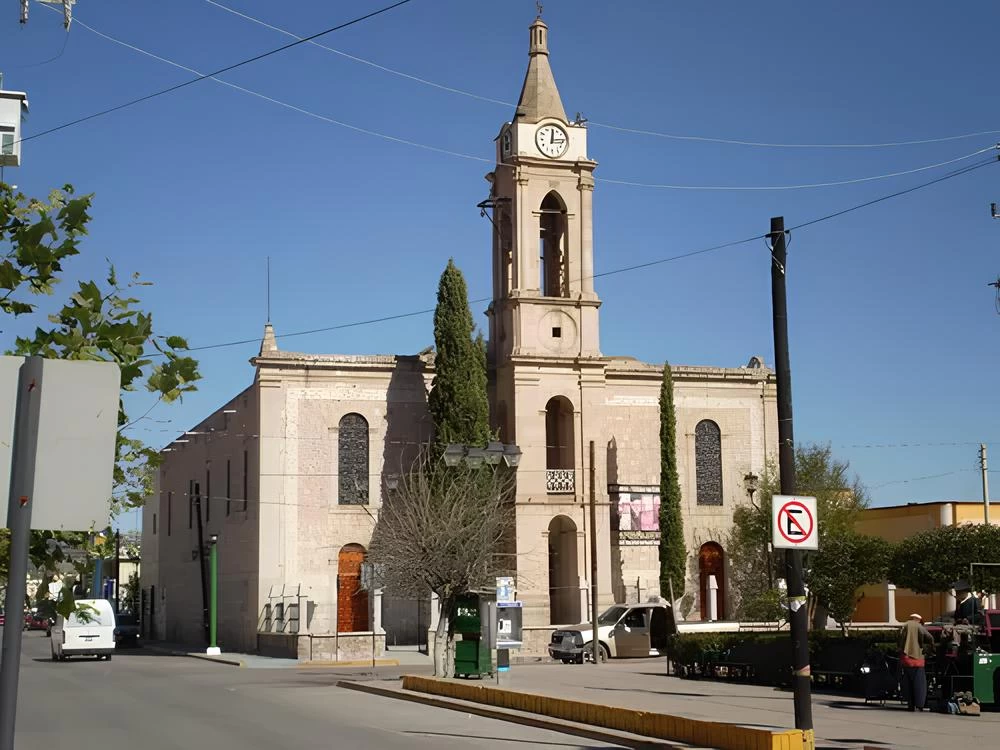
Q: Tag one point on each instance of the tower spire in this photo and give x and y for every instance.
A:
(539, 95)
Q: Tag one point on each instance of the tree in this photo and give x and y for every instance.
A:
(100, 321)
(840, 496)
(673, 554)
(458, 402)
(846, 562)
(933, 560)
(444, 531)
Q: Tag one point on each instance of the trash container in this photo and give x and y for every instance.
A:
(473, 656)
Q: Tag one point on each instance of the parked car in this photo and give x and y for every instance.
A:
(1, 618)
(89, 631)
(127, 631)
(623, 630)
(35, 620)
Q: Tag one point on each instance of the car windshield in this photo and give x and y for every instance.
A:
(611, 616)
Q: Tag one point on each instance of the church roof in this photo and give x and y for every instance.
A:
(539, 95)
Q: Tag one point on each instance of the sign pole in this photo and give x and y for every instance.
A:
(22, 471)
(798, 611)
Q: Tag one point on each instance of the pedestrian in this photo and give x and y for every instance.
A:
(912, 638)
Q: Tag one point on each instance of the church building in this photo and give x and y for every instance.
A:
(288, 477)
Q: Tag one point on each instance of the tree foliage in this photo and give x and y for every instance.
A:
(444, 530)
(458, 401)
(673, 553)
(100, 321)
(933, 560)
(846, 562)
(840, 496)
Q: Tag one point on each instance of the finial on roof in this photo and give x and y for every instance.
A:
(269, 343)
(539, 6)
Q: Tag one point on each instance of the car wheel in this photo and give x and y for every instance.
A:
(602, 653)
(567, 661)
(54, 657)
(107, 657)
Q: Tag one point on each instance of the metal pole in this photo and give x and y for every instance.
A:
(201, 560)
(118, 571)
(593, 557)
(986, 484)
(213, 612)
(19, 521)
(799, 612)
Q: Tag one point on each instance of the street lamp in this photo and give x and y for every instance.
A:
(474, 457)
(752, 483)
(453, 455)
(213, 593)
(512, 455)
(494, 452)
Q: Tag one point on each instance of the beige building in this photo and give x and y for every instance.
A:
(291, 473)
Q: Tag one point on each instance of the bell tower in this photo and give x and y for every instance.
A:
(544, 303)
(546, 369)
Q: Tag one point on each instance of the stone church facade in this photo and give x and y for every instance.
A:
(306, 453)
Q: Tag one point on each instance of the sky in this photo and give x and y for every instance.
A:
(893, 326)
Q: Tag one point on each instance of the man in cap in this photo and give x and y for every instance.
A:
(913, 636)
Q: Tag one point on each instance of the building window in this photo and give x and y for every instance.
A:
(708, 462)
(154, 524)
(190, 503)
(246, 475)
(229, 487)
(6, 144)
(352, 460)
(170, 511)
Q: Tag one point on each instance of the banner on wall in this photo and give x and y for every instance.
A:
(638, 509)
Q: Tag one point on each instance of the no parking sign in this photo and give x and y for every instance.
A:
(794, 522)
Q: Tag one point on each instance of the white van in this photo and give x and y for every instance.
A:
(90, 632)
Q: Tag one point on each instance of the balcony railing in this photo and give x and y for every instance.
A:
(560, 481)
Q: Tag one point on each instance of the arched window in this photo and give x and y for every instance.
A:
(708, 462)
(560, 456)
(711, 564)
(553, 246)
(352, 460)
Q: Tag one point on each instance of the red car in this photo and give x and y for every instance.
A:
(35, 621)
(1, 618)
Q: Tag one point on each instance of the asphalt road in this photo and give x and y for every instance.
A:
(140, 701)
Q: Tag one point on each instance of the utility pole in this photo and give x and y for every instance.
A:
(986, 482)
(118, 570)
(595, 641)
(798, 611)
(201, 561)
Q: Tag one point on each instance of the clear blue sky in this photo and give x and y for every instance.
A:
(893, 327)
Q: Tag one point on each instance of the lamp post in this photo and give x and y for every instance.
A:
(752, 483)
(213, 594)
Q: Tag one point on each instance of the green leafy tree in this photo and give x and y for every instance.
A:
(933, 560)
(840, 497)
(673, 554)
(458, 402)
(101, 321)
(846, 562)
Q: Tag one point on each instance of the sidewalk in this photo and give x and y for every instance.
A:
(840, 721)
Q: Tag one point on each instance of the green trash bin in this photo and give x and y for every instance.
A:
(472, 653)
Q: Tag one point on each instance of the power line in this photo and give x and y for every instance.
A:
(472, 157)
(226, 69)
(637, 131)
(625, 269)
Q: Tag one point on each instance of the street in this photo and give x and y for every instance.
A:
(151, 702)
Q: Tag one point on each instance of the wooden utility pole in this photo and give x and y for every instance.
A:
(593, 558)
(798, 611)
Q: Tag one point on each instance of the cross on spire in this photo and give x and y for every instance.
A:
(539, 6)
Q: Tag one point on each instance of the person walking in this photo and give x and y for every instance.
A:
(912, 638)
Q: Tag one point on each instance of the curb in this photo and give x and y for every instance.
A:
(321, 664)
(231, 662)
(578, 730)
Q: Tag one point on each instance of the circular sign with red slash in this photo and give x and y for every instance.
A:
(795, 522)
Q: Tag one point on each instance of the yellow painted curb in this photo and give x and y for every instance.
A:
(662, 726)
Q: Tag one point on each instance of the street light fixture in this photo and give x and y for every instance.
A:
(512, 455)
(453, 455)
(494, 452)
(752, 483)
(475, 457)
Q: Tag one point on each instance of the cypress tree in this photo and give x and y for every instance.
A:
(673, 555)
(458, 401)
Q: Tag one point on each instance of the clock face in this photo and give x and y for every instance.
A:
(551, 140)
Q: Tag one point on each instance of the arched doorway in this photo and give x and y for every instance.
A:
(564, 579)
(711, 562)
(352, 600)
